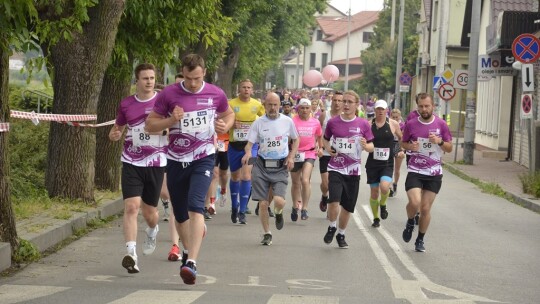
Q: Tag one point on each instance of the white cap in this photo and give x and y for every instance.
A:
(381, 104)
(304, 102)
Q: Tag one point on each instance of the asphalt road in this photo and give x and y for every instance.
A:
(480, 248)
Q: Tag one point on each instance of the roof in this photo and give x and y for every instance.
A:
(355, 61)
(337, 27)
(514, 5)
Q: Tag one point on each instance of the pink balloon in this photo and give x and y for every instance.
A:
(330, 73)
(312, 78)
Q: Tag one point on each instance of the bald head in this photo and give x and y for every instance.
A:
(271, 105)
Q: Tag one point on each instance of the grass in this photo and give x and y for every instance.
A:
(490, 188)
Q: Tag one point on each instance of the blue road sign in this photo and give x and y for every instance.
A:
(405, 79)
(437, 82)
(526, 48)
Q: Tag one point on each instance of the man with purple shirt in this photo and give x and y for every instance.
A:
(345, 137)
(194, 111)
(427, 137)
(143, 164)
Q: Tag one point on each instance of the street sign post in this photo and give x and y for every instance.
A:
(526, 48)
(447, 91)
(527, 77)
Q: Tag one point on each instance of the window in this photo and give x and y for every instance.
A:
(324, 60)
(367, 37)
(312, 57)
(319, 35)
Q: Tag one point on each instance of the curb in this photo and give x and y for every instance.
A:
(59, 230)
(531, 203)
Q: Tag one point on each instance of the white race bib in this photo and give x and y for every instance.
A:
(381, 153)
(425, 146)
(221, 146)
(299, 157)
(345, 145)
(140, 138)
(195, 122)
(273, 144)
(241, 133)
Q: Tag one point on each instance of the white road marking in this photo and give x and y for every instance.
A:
(253, 281)
(160, 296)
(301, 299)
(10, 294)
(100, 278)
(410, 290)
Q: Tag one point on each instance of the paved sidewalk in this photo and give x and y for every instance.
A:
(491, 169)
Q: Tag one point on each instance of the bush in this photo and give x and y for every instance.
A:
(531, 183)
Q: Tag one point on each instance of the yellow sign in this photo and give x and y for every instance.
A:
(448, 75)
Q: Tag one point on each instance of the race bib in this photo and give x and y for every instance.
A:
(299, 157)
(241, 133)
(381, 153)
(345, 145)
(425, 146)
(140, 138)
(273, 144)
(195, 122)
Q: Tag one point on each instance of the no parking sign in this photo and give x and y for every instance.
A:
(526, 106)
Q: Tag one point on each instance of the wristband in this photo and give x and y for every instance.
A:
(164, 133)
(441, 143)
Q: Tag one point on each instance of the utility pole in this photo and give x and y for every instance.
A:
(444, 11)
(399, 60)
(470, 110)
(393, 25)
(348, 39)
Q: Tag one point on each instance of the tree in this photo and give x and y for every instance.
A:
(144, 35)
(78, 60)
(379, 70)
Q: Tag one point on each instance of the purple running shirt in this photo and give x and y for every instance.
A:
(427, 160)
(140, 149)
(344, 136)
(192, 138)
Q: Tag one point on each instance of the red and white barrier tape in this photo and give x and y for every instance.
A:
(52, 117)
(77, 124)
(4, 127)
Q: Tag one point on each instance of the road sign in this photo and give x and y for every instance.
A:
(404, 88)
(461, 79)
(447, 75)
(526, 106)
(405, 79)
(527, 77)
(447, 91)
(437, 82)
(526, 48)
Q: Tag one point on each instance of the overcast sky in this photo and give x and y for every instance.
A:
(357, 5)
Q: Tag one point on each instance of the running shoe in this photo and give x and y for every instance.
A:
(188, 273)
(212, 209)
(376, 223)
(206, 214)
(392, 193)
(419, 246)
(242, 218)
(384, 212)
(323, 204)
(129, 262)
(294, 214)
(329, 236)
(165, 210)
(234, 215)
(222, 200)
(247, 211)
(270, 213)
(257, 210)
(303, 215)
(267, 239)
(279, 220)
(394, 187)
(174, 254)
(340, 238)
(150, 243)
(407, 233)
(417, 218)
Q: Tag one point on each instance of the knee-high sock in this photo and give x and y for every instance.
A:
(384, 197)
(245, 189)
(235, 189)
(374, 207)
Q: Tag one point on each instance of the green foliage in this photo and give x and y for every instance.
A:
(531, 183)
(14, 19)
(26, 253)
(380, 58)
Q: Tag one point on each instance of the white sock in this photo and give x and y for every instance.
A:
(152, 232)
(333, 224)
(131, 247)
(193, 261)
(341, 231)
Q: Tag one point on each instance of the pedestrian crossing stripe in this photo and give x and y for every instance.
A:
(10, 294)
(301, 299)
(160, 296)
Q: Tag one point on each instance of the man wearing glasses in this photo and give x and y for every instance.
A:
(345, 137)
